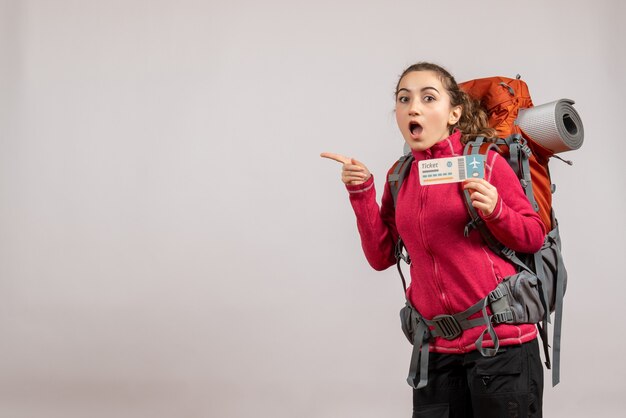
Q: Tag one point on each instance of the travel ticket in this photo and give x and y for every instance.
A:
(451, 170)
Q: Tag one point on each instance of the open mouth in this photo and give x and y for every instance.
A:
(415, 129)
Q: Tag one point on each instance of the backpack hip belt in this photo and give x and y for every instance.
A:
(419, 330)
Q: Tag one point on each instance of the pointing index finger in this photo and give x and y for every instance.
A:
(339, 158)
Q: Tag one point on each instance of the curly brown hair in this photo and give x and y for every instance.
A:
(474, 120)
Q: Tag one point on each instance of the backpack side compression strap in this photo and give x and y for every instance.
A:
(519, 153)
(561, 280)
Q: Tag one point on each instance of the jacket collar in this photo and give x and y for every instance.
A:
(448, 147)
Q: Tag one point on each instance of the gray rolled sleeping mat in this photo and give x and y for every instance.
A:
(555, 125)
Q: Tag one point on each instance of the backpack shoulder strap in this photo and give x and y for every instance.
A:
(519, 160)
(395, 177)
(397, 174)
(481, 146)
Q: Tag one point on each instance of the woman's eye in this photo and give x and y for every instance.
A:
(403, 99)
(429, 98)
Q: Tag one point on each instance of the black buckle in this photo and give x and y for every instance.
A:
(502, 317)
(447, 326)
(471, 224)
(507, 252)
(495, 294)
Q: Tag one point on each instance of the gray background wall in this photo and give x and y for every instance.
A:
(171, 244)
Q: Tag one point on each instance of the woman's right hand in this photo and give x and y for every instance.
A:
(353, 172)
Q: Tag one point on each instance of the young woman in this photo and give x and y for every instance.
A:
(449, 271)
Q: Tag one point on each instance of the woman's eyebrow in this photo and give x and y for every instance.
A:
(429, 88)
(421, 90)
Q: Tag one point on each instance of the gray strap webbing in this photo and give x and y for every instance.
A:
(527, 183)
(545, 300)
(487, 352)
(544, 286)
(513, 258)
(512, 142)
(476, 221)
(419, 356)
(558, 317)
(400, 257)
(514, 156)
(395, 179)
(519, 155)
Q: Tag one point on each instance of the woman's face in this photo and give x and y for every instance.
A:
(423, 110)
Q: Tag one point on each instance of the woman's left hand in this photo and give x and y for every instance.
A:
(483, 194)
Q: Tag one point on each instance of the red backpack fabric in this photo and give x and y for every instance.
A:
(502, 98)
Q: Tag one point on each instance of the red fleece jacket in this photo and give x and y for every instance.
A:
(449, 272)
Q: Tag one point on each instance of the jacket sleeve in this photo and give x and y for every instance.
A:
(513, 222)
(376, 226)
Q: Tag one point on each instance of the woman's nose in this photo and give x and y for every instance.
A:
(414, 109)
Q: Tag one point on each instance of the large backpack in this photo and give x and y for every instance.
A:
(537, 290)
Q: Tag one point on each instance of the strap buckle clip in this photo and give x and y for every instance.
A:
(502, 317)
(447, 326)
(495, 294)
(507, 252)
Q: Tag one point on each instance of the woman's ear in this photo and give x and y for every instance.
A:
(455, 115)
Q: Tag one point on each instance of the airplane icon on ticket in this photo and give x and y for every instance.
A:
(451, 170)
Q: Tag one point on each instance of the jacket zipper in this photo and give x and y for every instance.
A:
(446, 304)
